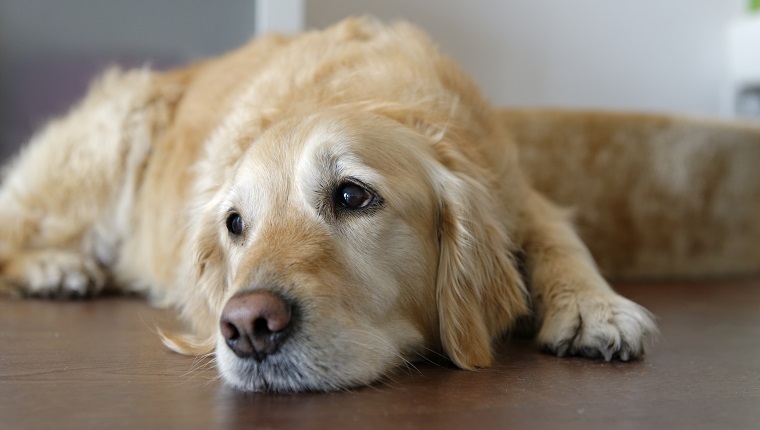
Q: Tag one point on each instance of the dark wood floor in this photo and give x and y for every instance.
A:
(99, 365)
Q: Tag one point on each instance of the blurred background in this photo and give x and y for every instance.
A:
(675, 56)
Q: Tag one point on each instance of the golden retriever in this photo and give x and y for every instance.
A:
(321, 208)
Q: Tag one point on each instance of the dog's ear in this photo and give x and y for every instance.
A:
(479, 289)
(202, 285)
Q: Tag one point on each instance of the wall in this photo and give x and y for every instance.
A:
(652, 55)
(190, 28)
(51, 49)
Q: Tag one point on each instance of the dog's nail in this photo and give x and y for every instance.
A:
(561, 350)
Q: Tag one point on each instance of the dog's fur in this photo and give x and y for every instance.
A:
(654, 196)
(132, 189)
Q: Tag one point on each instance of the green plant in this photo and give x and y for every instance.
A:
(754, 5)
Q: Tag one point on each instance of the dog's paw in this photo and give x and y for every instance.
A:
(600, 326)
(54, 274)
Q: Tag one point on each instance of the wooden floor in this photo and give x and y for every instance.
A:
(99, 365)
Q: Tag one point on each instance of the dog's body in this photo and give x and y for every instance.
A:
(322, 208)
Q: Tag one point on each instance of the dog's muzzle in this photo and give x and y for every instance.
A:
(255, 323)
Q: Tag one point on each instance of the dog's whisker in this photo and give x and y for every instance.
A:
(425, 357)
(391, 348)
(201, 367)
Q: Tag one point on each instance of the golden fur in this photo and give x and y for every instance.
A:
(133, 186)
(691, 188)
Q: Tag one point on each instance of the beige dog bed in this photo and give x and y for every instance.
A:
(655, 196)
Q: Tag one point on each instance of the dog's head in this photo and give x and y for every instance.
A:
(338, 246)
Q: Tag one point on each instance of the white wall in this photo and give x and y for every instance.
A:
(653, 55)
(284, 16)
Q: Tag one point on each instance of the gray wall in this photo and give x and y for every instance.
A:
(187, 28)
(50, 49)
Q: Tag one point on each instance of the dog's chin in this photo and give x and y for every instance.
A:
(277, 373)
(298, 367)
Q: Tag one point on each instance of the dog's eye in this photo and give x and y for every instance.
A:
(235, 224)
(352, 196)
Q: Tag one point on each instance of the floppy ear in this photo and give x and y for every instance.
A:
(200, 288)
(200, 292)
(479, 289)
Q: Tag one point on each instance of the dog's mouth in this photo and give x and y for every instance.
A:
(257, 349)
(307, 362)
(323, 352)
(290, 369)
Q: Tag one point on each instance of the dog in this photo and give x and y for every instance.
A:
(320, 208)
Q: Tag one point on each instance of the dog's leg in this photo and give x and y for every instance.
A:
(53, 273)
(578, 312)
(64, 202)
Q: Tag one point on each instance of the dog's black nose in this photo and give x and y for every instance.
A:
(255, 323)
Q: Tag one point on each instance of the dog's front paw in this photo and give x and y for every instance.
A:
(602, 325)
(54, 274)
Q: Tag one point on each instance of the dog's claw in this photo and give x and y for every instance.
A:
(561, 350)
(58, 275)
(580, 331)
